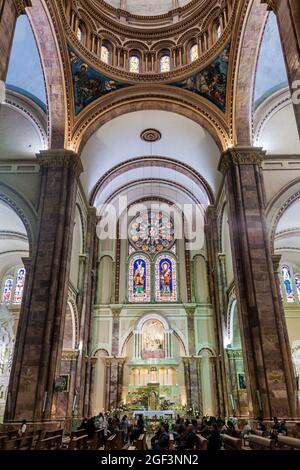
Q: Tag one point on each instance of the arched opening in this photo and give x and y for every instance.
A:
(14, 247)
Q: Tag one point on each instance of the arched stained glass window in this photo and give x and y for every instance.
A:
(287, 280)
(165, 64)
(105, 54)
(218, 30)
(134, 64)
(7, 291)
(194, 53)
(139, 279)
(297, 283)
(79, 34)
(19, 288)
(165, 279)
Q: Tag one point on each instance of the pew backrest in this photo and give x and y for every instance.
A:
(291, 442)
(50, 443)
(141, 442)
(260, 443)
(232, 443)
(202, 442)
(79, 443)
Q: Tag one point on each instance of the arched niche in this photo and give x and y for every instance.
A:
(208, 381)
(104, 281)
(200, 279)
(70, 329)
(98, 395)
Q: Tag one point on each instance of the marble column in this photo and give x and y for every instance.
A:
(270, 381)
(9, 12)
(39, 343)
(193, 376)
(288, 18)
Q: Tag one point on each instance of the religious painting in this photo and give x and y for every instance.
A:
(89, 84)
(62, 383)
(166, 279)
(152, 232)
(139, 279)
(153, 337)
(211, 83)
(242, 381)
(287, 280)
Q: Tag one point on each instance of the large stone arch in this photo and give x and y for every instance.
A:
(23, 209)
(151, 97)
(252, 29)
(42, 20)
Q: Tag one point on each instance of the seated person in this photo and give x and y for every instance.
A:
(160, 440)
(189, 440)
(214, 440)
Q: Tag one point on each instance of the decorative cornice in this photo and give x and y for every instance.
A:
(59, 158)
(69, 356)
(21, 6)
(241, 156)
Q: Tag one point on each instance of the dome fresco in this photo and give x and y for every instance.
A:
(149, 7)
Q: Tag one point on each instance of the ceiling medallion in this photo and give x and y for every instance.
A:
(151, 135)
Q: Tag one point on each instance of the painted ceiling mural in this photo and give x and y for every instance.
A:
(89, 85)
(211, 82)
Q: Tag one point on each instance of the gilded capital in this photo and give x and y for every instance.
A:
(59, 158)
(241, 156)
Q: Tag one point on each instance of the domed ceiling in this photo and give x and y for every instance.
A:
(148, 7)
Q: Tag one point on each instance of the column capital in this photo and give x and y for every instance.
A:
(276, 262)
(21, 6)
(59, 158)
(27, 263)
(241, 156)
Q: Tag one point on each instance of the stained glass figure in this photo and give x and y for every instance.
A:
(165, 64)
(105, 54)
(287, 280)
(194, 53)
(165, 279)
(139, 279)
(19, 286)
(152, 232)
(297, 283)
(79, 34)
(134, 64)
(7, 291)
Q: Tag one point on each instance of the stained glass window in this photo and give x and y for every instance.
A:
(194, 53)
(19, 286)
(297, 283)
(139, 279)
(134, 64)
(165, 64)
(165, 279)
(7, 291)
(79, 34)
(152, 232)
(287, 280)
(218, 30)
(105, 54)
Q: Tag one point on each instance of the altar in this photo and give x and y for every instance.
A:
(155, 413)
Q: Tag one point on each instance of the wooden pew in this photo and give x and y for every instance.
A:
(111, 443)
(55, 433)
(202, 443)
(3, 438)
(288, 442)
(26, 442)
(141, 443)
(232, 443)
(79, 443)
(78, 433)
(97, 440)
(11, 444)
(50, 443)
(260, 443)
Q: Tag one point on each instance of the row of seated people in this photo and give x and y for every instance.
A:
(102, 432)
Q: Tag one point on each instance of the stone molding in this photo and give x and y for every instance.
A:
(21, 6)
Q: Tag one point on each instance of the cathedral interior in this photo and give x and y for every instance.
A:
(118, 120)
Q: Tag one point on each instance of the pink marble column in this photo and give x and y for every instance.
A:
(39, 342)
(269, 374)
